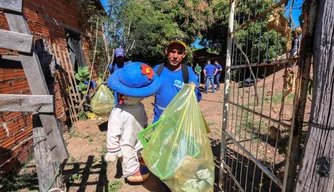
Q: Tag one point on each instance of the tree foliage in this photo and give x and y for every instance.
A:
(93, 18)
(260, 43)
(144, 27)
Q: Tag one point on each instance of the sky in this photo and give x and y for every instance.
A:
(104, 3)
(296, 12)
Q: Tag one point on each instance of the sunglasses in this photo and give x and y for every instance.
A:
(177, 39)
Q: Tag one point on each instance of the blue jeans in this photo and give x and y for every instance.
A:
(217, 77)
(198, 76)
(209, 79)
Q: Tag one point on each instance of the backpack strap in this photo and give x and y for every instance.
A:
(184, 68)
(159, 70)
(185, 73)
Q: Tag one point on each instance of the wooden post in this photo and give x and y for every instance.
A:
(226, 94)
(26, 103)
(303, 76)
(16, 41)
(317, 168)
(46, 172)
(13, 5)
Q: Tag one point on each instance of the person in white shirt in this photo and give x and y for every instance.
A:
(132, 83)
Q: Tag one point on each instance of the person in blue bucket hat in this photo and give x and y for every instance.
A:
(133, 82)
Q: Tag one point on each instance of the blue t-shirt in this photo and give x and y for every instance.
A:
(210, 69)
(171, 84)
(115, 68)
(218, 67)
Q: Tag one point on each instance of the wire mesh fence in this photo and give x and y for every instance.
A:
(259, 93)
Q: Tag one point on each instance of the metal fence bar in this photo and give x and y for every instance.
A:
(238, 129)
(265, 64)
(241, 124)
(261, 115)
(256, 162)
(264, 13)
(228, 169)
(249, 163)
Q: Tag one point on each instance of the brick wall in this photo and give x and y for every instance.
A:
(46, 20)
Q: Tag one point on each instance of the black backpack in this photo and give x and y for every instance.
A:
(184, 68)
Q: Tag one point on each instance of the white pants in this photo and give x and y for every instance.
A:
(124, 124)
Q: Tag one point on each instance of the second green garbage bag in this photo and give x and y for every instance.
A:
(103, 101)
(179, 151)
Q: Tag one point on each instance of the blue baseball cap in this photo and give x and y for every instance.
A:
(135, 79)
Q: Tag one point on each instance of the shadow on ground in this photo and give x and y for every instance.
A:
(78, 177)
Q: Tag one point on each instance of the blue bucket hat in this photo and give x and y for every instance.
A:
(135, 79)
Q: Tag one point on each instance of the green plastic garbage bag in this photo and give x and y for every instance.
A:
(103, 101)
(179, 151)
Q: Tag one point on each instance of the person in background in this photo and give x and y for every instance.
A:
(209, 72)
(198, 71)
(172, 75)
(118, 61)
(295, 46)
(219, 70)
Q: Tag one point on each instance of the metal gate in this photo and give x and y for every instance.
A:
(258, 102)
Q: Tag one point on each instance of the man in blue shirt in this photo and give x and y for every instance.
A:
(209, 72)
(219, 70)
(171, 76)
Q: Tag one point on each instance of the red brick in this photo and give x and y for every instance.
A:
(17, 150)
(8, 142)
(3, 132)
(21, 85)
(6, 87)
(20, 136)
(11, 116)
(13, 127)
(20, 73)
(29, 5)
(23, 156)
(35, 1)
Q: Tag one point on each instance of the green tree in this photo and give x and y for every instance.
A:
(256, 40)
(144, 27)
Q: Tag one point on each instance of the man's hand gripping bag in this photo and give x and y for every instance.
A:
(179, 151)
